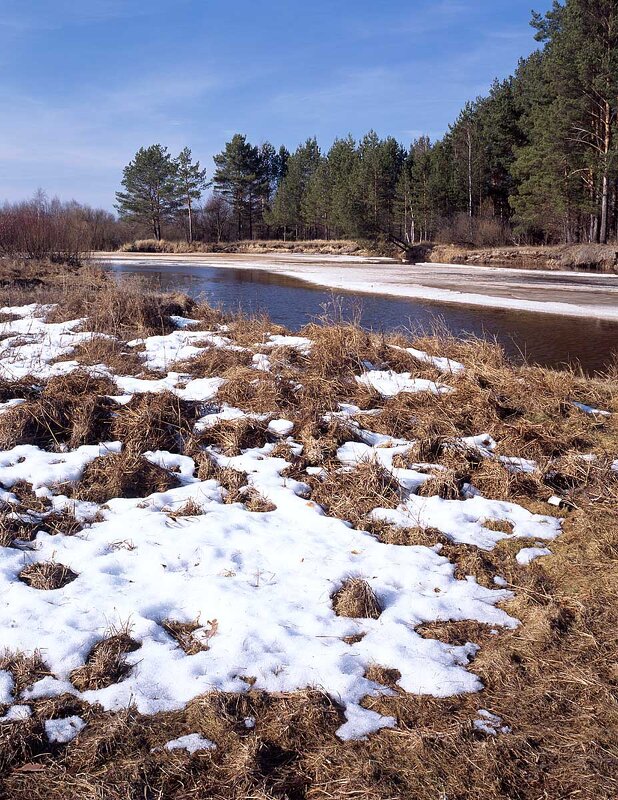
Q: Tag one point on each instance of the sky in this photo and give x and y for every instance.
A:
(85, 83)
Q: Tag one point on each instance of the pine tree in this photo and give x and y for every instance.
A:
(192, 182)
(316, 201)
(151, 193)
(582, 57)
(287, 209)
(347, 206)
(239, 178)
(380, 165)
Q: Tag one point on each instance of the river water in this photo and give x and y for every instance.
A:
(544, 339)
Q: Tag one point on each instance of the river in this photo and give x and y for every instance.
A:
(546, 339)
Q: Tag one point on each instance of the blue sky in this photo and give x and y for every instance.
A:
(87, 82)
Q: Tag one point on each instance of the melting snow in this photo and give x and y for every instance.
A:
(528, 554)
(17, 713)
(192, 742)
(389, 383)
(265, 579)
(63, 730)
(443, 364)
(489, 723)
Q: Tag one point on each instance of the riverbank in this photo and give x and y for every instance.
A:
(569, 294)
(310, 247)
(572, 257)
(575, 257)
(203, 518)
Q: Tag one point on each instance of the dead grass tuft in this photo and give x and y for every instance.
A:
(47, 575)
(124, 307)
(16, 525)
(256, 502)
(231, 437)
(70, 410)
(23, 389)
(258, 392)
(456, 632)
(155, 421)
(448, 484)
(385, 676)
(355, 598)
(106, 663)
(232, 480)
(28, 500)
(25, 669)
(351, 494)
(188, 509)
(410, 537)
(183, 633)
(125, 474)
(111, 352)
(217, 362)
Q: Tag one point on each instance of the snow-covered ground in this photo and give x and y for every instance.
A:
(260, 585)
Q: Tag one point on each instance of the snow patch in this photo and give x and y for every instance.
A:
(63, 730)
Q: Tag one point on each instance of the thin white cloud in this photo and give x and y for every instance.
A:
(20, 17)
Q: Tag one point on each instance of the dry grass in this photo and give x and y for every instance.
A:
(351, 494)
(155, 421)
(256, 502)
(589, 257)
(231, 437)
(125, 474)
(28, 500)
(317, 246)
(355, 598)
(106, 662)
(232, 480)
(183, 633)
(215, 362)
(70, 410)
(126, 308)
(552, 680)
(188, 509)
(110, 351)
(24, 669)
(47, 575)
(21, 524)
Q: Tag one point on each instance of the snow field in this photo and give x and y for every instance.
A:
(262, 581)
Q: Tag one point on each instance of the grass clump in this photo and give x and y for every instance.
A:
(106, 662)
(184, 634)
(25, 669)
(70, 410)
(231, 437)
(355, 598)
(155, 421)
(351, 494)
(47, 575)
(126, 474)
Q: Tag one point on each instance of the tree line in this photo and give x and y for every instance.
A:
(536, 160)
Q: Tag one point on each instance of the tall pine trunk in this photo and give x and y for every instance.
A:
(607, 137)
